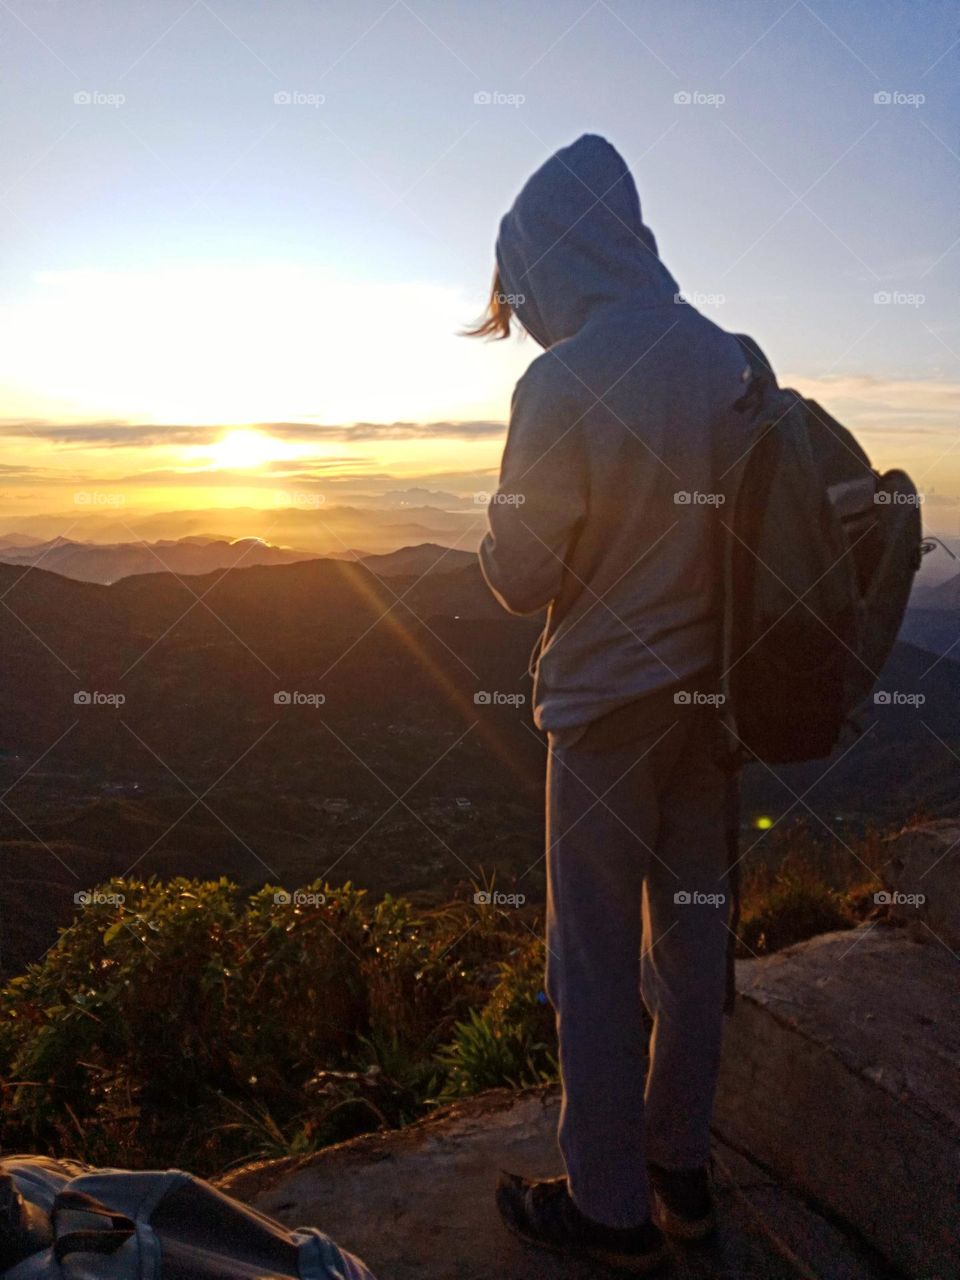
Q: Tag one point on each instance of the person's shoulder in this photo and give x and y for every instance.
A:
(708, 339)
(551, 376)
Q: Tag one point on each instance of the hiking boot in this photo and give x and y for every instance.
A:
(683, 1202)
(542, 1213)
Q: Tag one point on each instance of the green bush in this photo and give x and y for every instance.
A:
(793, 912)
(183, 1023)
(188, 1024)
(804, 881)
(512, 1041)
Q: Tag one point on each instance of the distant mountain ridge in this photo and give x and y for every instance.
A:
(106, 563)
(274, 722)
(945, 595)
(300, 519)
(197, 555)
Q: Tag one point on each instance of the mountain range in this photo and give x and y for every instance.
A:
(108, 562)
(282, 722)
(300, 519)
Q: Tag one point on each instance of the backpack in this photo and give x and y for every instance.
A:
(60, 1220)
(820, 551)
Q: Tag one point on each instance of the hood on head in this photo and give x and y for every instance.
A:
(575, 239)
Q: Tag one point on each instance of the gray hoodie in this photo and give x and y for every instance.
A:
(608, 506)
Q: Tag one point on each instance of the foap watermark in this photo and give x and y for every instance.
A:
(94, 698)
(299, 898)
(894, 498)
(94, 898)
(494, 898)
(698, 698)
(295, 698)
(303, 499)
(700, 299)
(696, 898)
(96, 498)
(898, 298)
(894, 898)
(898, 698)
(297, 98)
(694, 498)
(494, 698)
(697, 98)
(897, 98)
(496, 98)
(97, 98)
(499, 499)
(510, 299)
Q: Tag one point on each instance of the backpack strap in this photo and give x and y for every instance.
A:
(762, 379)
(84, 1225)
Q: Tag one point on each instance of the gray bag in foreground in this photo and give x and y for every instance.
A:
(63, 1221)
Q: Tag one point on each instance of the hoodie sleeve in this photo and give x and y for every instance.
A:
(540, 502)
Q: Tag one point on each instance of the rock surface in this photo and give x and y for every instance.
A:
(416, 1204)
(924, 864)
(841, 1072)
(839, 1102)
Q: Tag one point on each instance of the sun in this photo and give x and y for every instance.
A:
(243, 449)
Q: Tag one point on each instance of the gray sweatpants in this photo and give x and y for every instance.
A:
(637, 913)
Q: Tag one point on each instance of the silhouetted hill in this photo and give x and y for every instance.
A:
(93, 562)
(940, 595)
(108, 562)
(426, 558)
(280, 721)
(936, 629)
(903, 762)
(319, 527)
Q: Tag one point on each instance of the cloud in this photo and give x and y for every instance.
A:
(16, 472)
(906, 406)
(126, 435)
(110, 435)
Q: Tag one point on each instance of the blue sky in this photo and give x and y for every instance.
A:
(186, 248)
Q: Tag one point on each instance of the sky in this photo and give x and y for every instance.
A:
(239, 240)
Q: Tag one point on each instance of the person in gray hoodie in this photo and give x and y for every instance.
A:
(608, 516)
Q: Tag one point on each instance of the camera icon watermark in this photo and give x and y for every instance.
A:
(695, 898)
(94, 498)
(498, 499)
(299, 898)
(495, 98)
(888, 498)
(494, 698)
(898, 698)
(96, 98)
(897, 98)
(699, 299)
(294, 698)
(694, 498)
(898, 298)
(302, 499)
(94, 698)
(698, 698)
(297, 98)
(894, 898)
(494, 898)
(94, 898)
(697, 98)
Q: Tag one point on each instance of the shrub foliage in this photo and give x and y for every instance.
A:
(183, 1023)
(188, 1025)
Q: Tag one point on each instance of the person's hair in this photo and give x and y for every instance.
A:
(495, 322)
